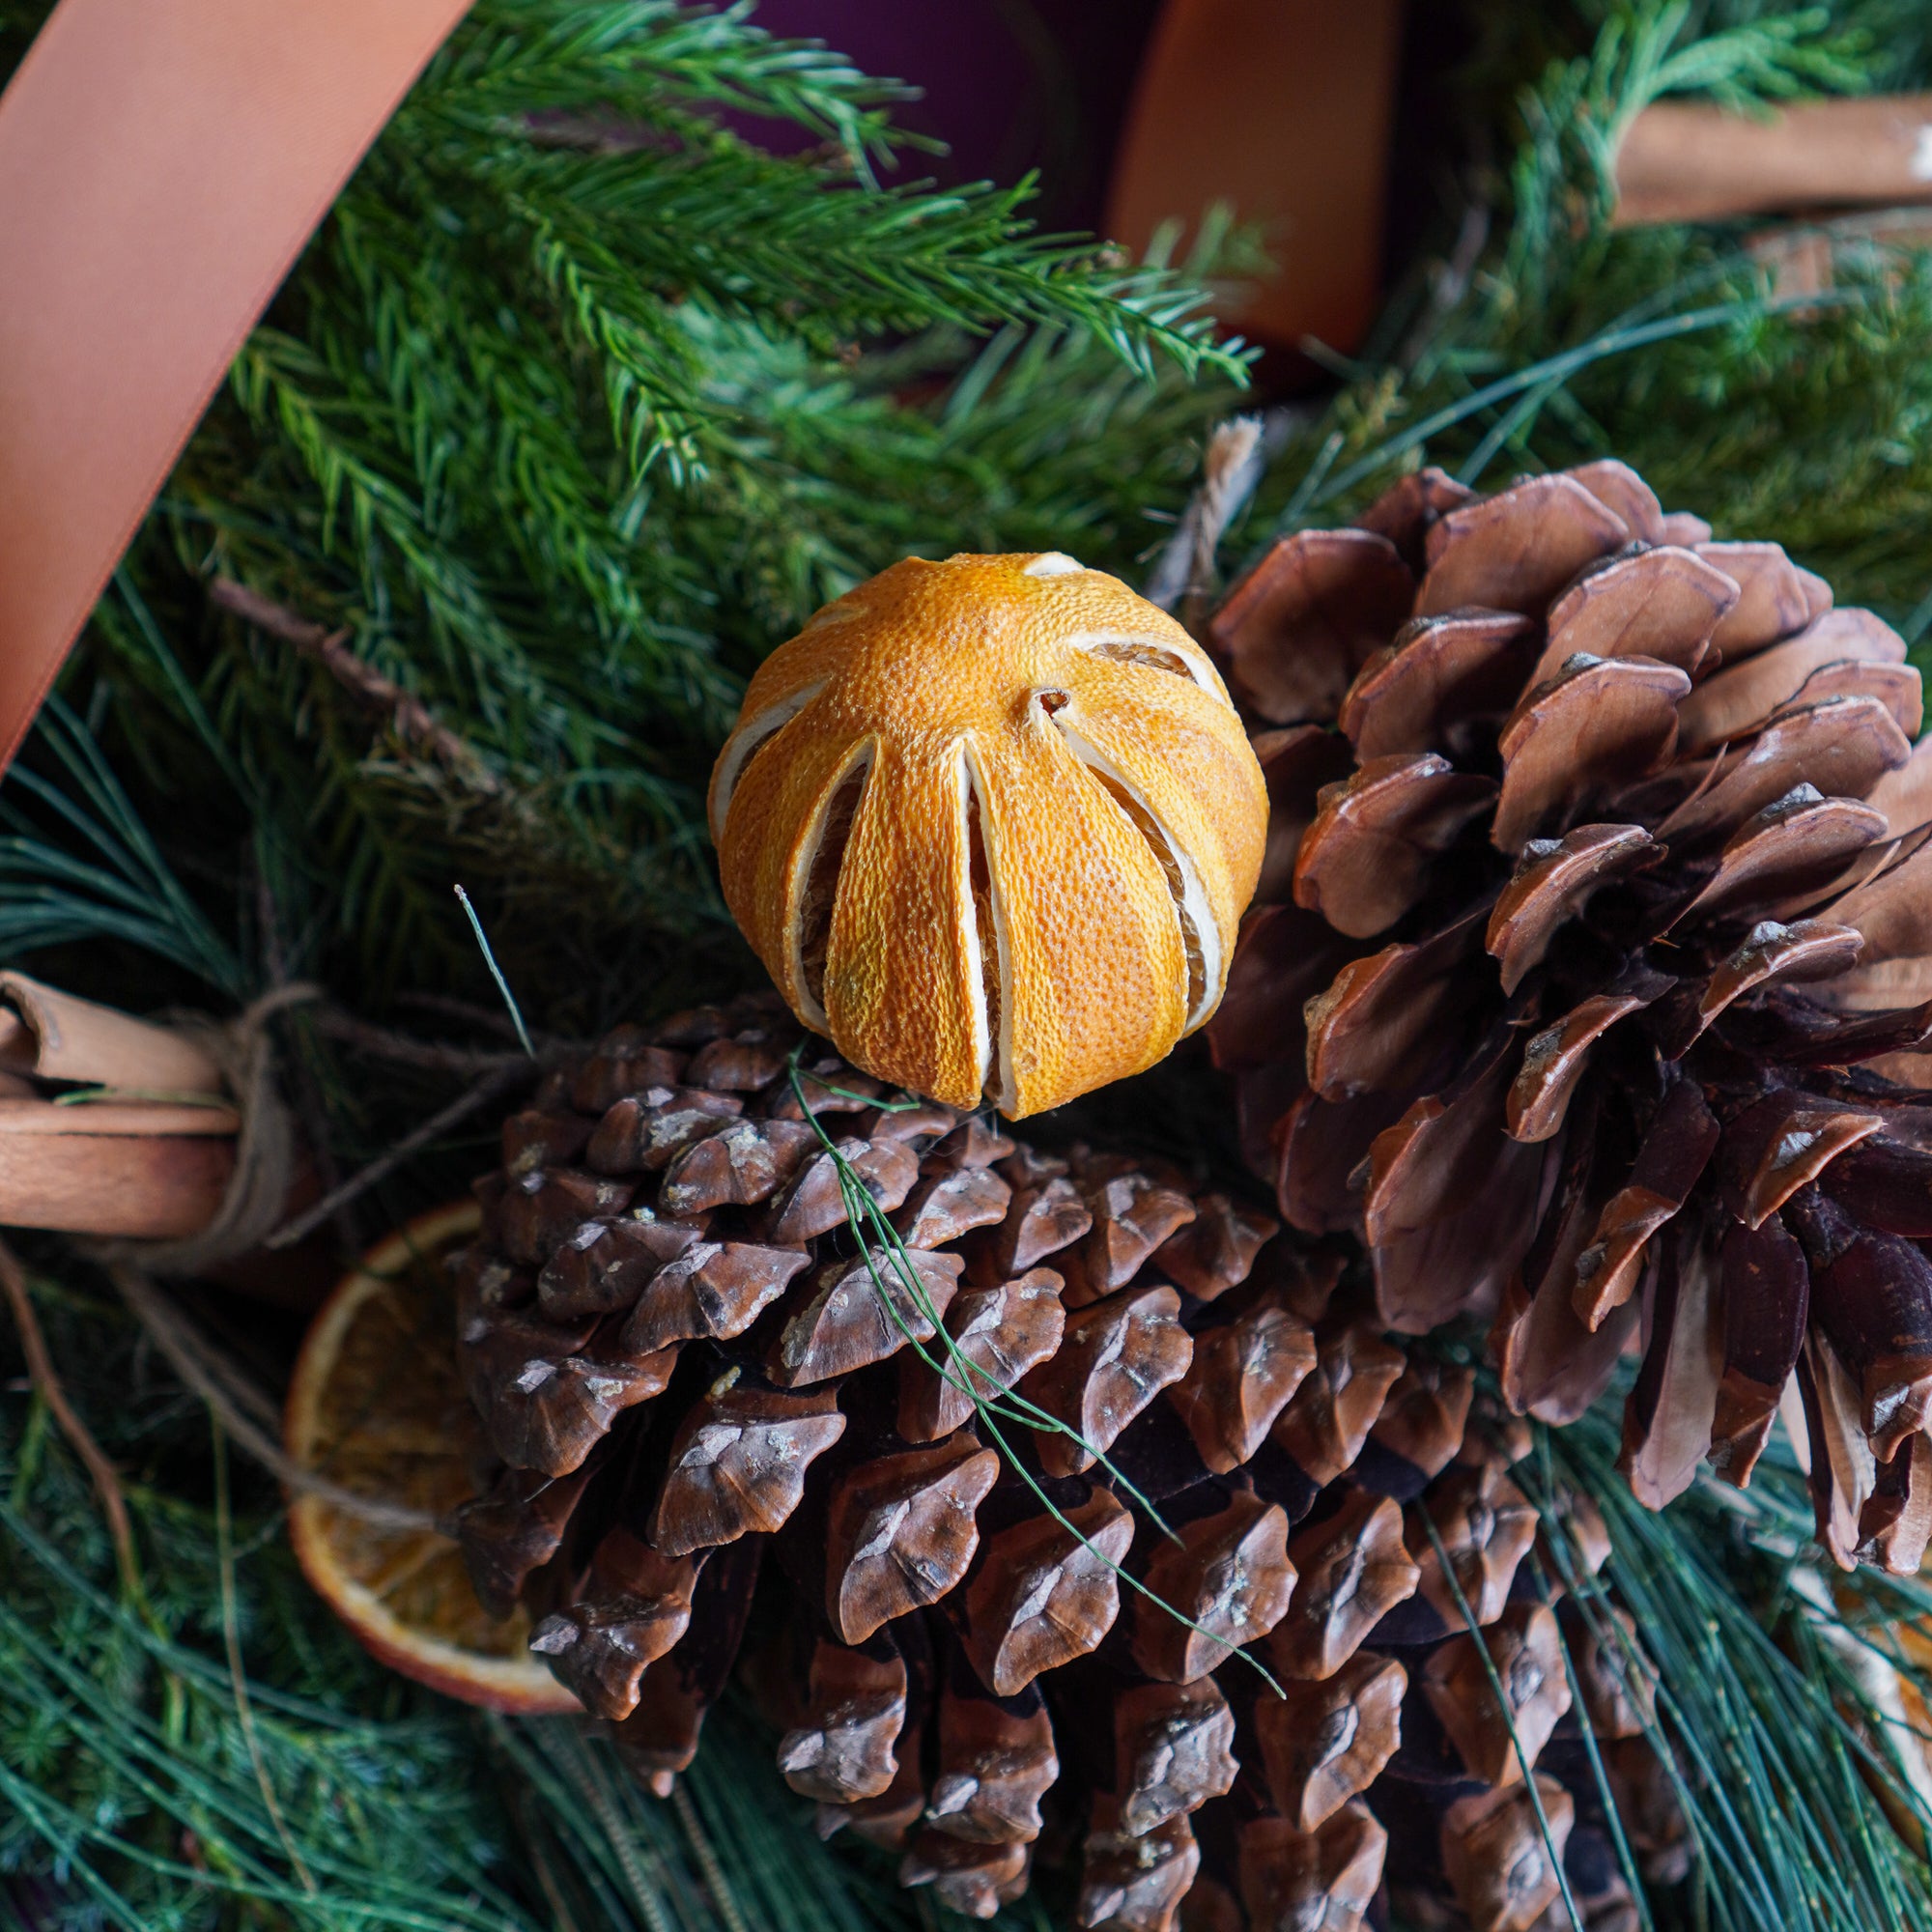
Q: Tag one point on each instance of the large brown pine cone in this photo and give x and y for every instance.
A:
(715, 1438)
(1596, 984)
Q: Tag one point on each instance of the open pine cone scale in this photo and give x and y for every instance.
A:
(720, 1452)
(1592, 989)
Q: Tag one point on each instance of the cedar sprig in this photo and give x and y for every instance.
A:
(560, 423)
(560, 57)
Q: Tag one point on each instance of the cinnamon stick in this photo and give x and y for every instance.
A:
(128, 1165)
(155, 1186)
(53, 1036)
(1683, 162)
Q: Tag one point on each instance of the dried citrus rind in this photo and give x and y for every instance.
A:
(377, 1406)
(991, 824)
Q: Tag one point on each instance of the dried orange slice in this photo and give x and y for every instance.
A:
(377, 1406)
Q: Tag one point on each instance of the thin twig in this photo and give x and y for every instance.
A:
(489, 1088)
(218, 1381)
(412, 719)
(234, 1380)
(430, 1055)
(230, 1637)
(467, 1012)
(40, 1366)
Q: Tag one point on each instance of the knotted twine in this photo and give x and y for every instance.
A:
(257, 1194)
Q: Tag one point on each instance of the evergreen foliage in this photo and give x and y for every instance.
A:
(578, 404)
(217, 1752)
(1796, 1783)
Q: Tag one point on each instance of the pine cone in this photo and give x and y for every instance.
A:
(1595, 988)
(715, 1437)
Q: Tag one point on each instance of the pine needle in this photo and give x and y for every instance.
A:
(1495, 1683)
(1778, 1785)
(515, 1012)
(563, 434)
(224, 1534)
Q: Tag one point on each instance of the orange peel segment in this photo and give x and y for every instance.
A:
(990, 824)
(377, 1406)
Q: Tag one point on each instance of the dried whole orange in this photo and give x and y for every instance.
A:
(990, 824)
(377, 1405)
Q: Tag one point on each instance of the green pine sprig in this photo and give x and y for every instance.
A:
(579, 403)
(1788, 1778)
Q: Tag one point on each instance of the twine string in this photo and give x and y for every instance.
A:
(251, 1216)
(242, 1408)
(264, 1146)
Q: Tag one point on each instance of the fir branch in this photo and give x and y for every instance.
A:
(410, 715)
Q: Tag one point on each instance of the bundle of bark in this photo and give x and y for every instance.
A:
(109, 1126)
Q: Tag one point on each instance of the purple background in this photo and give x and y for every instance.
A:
(1008, 84)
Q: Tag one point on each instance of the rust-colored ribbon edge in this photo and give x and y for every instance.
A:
(161, 164)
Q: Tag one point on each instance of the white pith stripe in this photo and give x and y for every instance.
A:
(1054, 563)
(1193, 894)
(746, 739)
(976, 967)
(996, 1057)
(1183, 650)
(808, 1008)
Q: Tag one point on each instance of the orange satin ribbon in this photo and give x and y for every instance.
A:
(161, 164)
